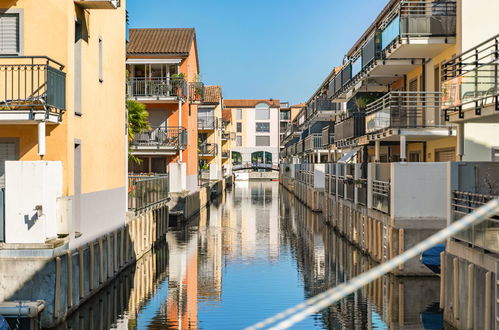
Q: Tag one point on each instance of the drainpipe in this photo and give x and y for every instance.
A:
(180, 125)
(377, 147)
(460, 141)
(403, 145)
(41, 139)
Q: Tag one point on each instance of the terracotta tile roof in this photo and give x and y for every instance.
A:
(299, 105)
(161, 41)
(212, 94)
(251, 103)
(227, 115)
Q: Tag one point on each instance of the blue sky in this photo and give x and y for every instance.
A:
(264, 48)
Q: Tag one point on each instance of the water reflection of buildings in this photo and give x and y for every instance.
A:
(326, 260)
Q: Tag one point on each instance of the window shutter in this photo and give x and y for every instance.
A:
(9, 33)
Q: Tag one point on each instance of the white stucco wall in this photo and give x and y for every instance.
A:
(478, 21)
(28, 184)
(479, 140)
(418, 190)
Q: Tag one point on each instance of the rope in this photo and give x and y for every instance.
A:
(333, 295)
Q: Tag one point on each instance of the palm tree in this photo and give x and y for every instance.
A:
(138, 122)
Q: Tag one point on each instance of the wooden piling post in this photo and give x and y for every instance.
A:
(488, 296)
(101, 261)
(469, 311)
(122, 246)
(115, 253)
(442, 280)
(82, 273)
(91, 269)
(401, 245)
(108, 256)
(401, 304)
(58, 294)
(69, 292)
(455, 264)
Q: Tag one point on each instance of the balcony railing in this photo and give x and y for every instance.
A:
(381, 188)
(196, 91)
(208, 149)
(146, 191)
(351, 127)
(313, 142)
(225, 154)
(170, 137)
(402, 110)
(299, 147)
(207, 123)
(228, 136)
(165, 87)
(471, 79)
(483, 235)
(419, 19)
(327, 137)
(34, 83)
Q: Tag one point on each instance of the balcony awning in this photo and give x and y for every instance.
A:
(348, 156)
(153, 61)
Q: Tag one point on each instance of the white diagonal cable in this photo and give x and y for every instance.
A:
(333, 295)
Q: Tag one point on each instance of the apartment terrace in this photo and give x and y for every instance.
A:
(349, 129)
(160, 141)
(208, 150)
(470, 81)
(157, 89)
(33, 90)
(395, 45)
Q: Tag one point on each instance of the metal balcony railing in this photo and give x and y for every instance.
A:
(313, 142)
(32, 83)
(207, 123)
(172, 137)
(225, 154)
(471, 79)
(351, 127)
(299, 147)
(327, 137)
(228, 136)
(196, 91)
(483, 235)
(165, 87)
(145, 191)
(381, 188)
(402, 110)
(208, 149)
(419, 19)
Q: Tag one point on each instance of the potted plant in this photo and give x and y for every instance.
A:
(177, 83)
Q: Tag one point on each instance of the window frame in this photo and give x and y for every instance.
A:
(239, 127)
(20, 38)
(260, 137)
(262, 131)
(239, 114)
(239, 141)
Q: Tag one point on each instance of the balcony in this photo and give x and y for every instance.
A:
(313, 142)
(470, 82)
(98, 4)
(349, 128)
(403, 110)
(196, 92)
(419, 29)
(208, 150)
(225, 154)
(33, 89)
(207, 123)
(327, 136)
(228, 136)
(157, 89)
(299, 147)
(160, 141)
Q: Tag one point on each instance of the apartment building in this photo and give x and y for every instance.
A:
(257, 130)
(62, 120)
(210, 151)
(228, 141)
(286, 115)
(163, 74)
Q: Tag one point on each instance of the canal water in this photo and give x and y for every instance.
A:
(248, 256)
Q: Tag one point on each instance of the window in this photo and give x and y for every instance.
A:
(9, 34)
(262, 111)
(239, 127)
(101, 77)
(495, 154)
(262, 141)
(239, 141)
(239, 114)
(263, 127)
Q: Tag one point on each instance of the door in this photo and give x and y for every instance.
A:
(8, 151)
(445, 155)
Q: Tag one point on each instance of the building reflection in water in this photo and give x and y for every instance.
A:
(257, 236)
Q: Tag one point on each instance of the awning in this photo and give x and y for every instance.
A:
(348, 156)
(153, 61)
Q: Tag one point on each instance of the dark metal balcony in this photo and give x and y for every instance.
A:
(208, 150)
(402, 110)
(313, 142)
(207, 123)
(32, 88)
(470, 81)
(228, 136)
(196, 91)
(327, 136)
(351, 127)
(157, 88)
(160, 140)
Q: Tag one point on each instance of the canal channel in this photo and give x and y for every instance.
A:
(251, 254)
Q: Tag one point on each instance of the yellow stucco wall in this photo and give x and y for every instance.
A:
(431, 146)
(49, 30)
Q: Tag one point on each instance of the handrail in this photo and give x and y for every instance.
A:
(313, 305)
(49, 59)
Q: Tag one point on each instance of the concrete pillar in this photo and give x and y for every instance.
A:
(403, 148)
(41, 139)
(377, 147)
(460, 141)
